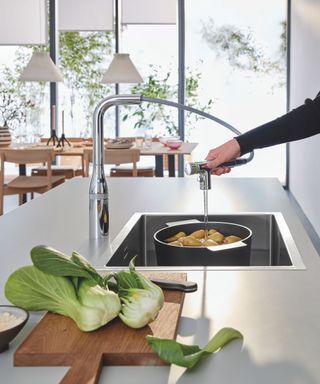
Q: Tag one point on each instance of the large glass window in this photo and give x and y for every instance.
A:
(239, 50)
(83, 57)
(235, 69)
(24, 106)
(154, 51)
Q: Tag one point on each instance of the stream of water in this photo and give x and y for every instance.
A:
(205, 212)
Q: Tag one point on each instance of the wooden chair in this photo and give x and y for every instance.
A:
(116, 156)
(26, 184)
(70, 166)
(124, 171)
(57, 170)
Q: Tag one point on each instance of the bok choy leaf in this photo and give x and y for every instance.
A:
(91, 307)
(189, 355)
(54, 262)
(34, 290)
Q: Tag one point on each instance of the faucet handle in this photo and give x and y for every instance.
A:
(234, 163)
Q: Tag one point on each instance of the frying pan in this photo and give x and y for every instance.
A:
(234, 254)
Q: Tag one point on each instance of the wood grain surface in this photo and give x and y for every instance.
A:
(56, 341)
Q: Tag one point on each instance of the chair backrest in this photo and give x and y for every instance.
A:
(115, 156)
(27, 156)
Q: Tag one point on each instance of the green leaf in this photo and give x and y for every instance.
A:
(49, 260)
(189, 355)
(75, 282)
(127, 280)
(223, 337)
(86, 266)
(34, 290)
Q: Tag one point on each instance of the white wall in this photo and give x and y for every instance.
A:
(304, 155)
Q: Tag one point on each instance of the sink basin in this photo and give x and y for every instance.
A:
(272, 246)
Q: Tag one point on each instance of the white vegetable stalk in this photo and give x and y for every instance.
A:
(140, 305)
(101, 299)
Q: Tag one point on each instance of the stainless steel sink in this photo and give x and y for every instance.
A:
(272, 247)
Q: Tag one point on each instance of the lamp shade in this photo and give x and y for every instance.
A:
(122, 70)
(41, 68)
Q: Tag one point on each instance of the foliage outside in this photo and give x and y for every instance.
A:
(82, 61)
(17, 99)
(162, 87)
(244, 53)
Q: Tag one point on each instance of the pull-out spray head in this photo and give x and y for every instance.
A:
(199, 168)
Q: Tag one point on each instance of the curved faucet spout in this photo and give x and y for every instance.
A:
(98, 192)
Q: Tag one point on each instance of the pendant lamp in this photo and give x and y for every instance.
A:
(41, 68)
(122, 70)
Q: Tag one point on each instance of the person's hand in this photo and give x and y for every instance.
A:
(225, 152)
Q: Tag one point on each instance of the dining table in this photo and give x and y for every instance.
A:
(156, 150)
(159, 151)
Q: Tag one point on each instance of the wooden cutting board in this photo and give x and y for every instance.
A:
(56, 341)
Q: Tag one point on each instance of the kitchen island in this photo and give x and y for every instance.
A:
(277, 311)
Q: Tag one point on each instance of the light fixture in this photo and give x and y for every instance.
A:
(122, 70)
(41, 68)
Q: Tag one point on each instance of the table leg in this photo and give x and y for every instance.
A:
(82, 165)
(22, 172)
(171, 165)
(159, 166)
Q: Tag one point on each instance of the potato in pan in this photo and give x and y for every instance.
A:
(199, 239)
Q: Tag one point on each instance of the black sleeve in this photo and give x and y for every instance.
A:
(299, 123)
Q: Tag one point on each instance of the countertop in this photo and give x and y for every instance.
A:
(278, 312)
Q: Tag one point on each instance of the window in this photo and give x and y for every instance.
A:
(154, 51)
(235, 69)
(238, 48)
(27, 111)
(83, 57)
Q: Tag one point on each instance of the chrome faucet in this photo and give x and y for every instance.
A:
(98, 193)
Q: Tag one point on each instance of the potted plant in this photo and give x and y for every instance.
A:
(11, 113)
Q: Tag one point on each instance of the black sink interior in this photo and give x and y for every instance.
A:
(269, 239)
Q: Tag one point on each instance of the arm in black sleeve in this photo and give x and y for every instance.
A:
(299, 123)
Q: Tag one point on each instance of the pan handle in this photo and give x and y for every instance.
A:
(224, 247)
